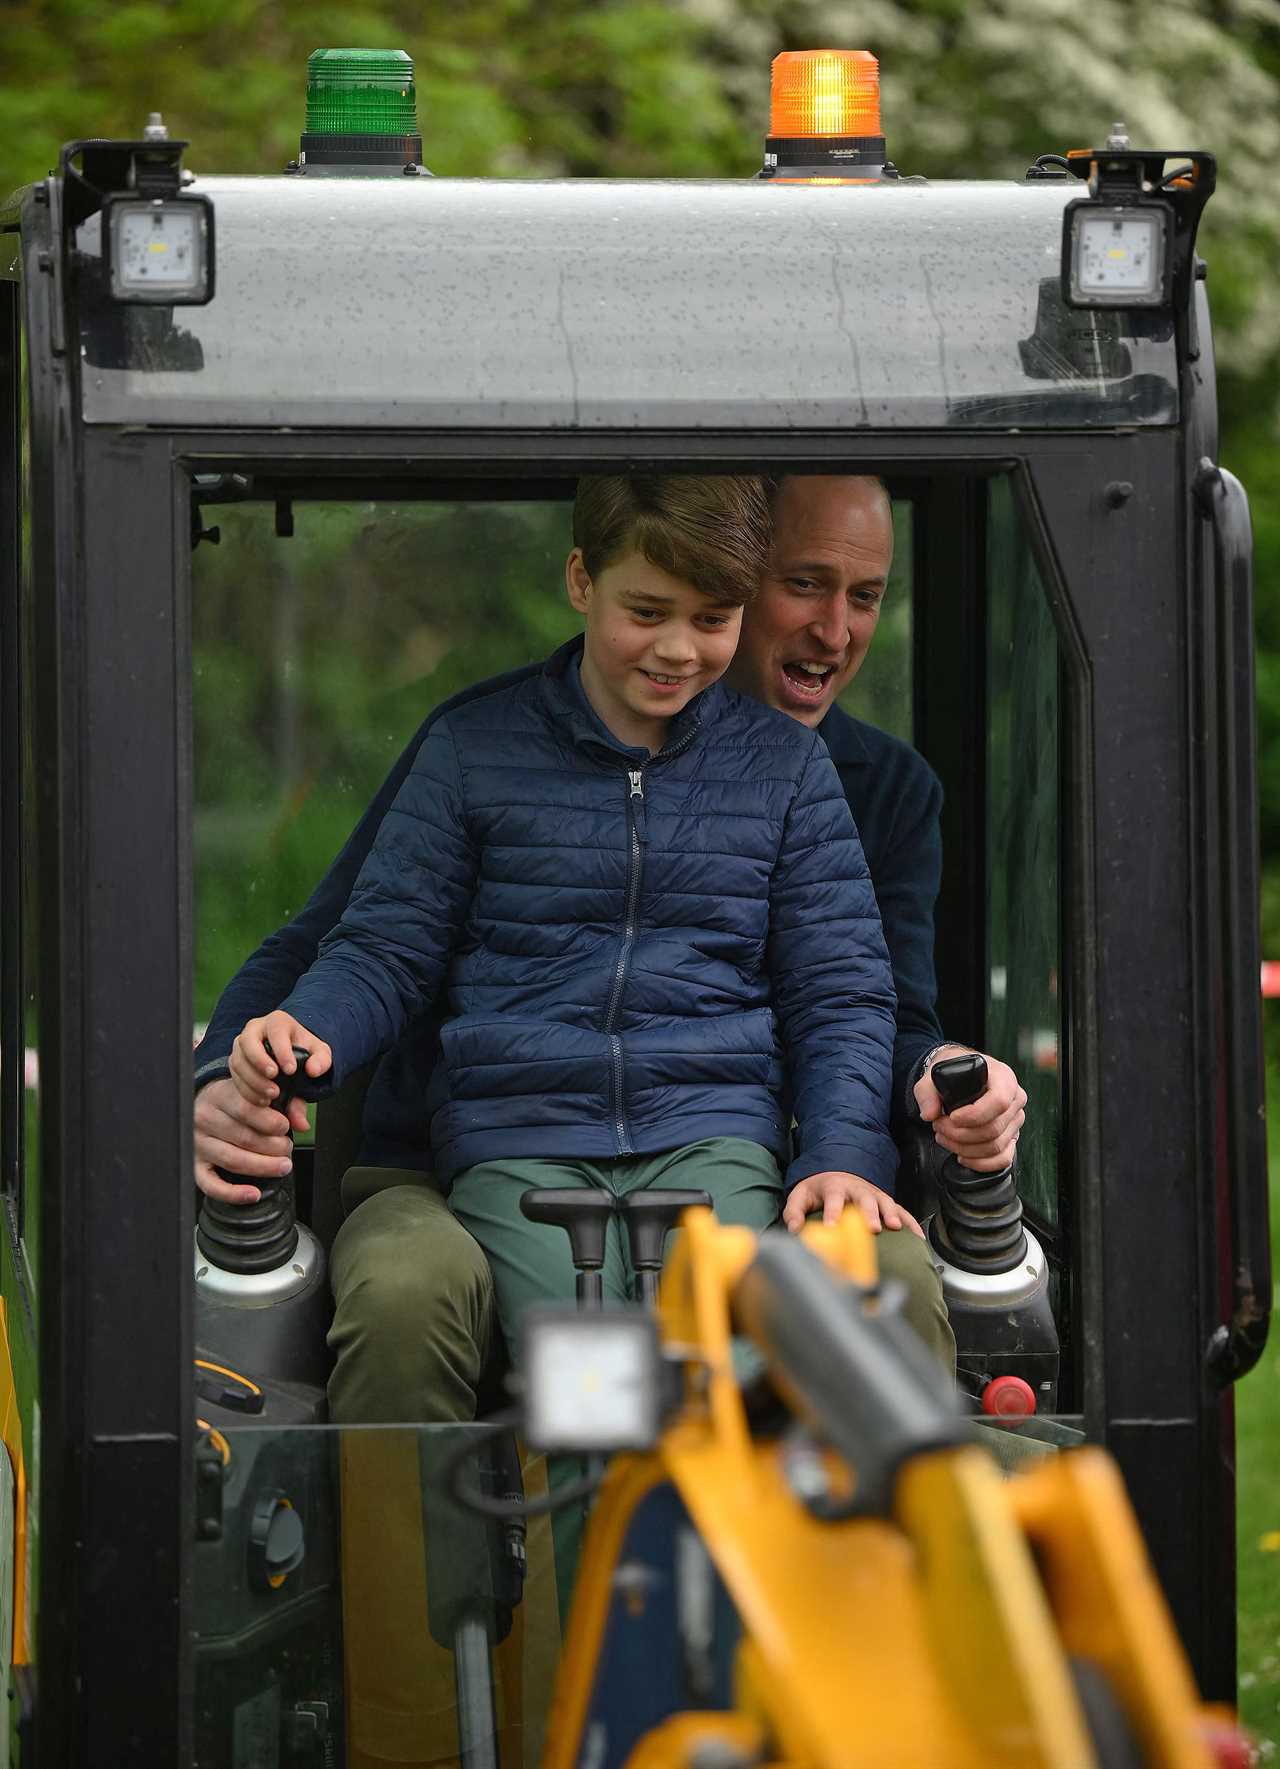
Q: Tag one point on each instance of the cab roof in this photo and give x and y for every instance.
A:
(399, 302)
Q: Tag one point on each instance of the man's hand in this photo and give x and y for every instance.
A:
(265, 1048)
(983, 1135)
(830, 1192)
(251, 1141)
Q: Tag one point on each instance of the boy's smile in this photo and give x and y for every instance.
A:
(652, 643)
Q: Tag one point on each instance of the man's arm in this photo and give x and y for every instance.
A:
(907, 879)
(832, 988)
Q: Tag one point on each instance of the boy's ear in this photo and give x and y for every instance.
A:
(577, 581)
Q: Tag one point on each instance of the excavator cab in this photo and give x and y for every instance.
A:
(287, 460)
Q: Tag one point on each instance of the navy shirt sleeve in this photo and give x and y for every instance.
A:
(832, 990)
(896, 800)
(907, 881)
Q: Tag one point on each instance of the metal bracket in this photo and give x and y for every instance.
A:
(98, 168)
(1122, 174)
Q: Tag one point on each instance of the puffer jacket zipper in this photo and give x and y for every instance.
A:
(636, 838)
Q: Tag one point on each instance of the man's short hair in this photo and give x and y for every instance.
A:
(710, 530)
(774, 482)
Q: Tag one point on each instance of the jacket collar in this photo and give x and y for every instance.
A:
(843, 738)
(566, 702)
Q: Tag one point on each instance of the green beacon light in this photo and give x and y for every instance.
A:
(362, 114)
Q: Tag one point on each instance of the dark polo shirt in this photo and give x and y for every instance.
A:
(895, 798)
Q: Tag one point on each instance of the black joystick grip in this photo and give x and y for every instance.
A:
(960, 1080)
(584, 1216)
(649, 1217)
(254, 1237)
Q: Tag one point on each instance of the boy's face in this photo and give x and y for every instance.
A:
(652, 643)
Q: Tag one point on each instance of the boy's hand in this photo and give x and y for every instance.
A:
(242, 1139)
(265, 1048)
(830, 1192)
(983, 1135)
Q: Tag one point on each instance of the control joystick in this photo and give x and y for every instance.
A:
(262, 1302)
(255, 1237)
(995, 1276)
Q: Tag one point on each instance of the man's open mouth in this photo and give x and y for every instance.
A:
(809, 678)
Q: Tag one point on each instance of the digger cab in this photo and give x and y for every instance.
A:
(287, 460)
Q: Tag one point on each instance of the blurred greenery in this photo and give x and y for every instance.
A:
(1258, 1491)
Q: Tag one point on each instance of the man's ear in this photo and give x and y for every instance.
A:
(577, 581)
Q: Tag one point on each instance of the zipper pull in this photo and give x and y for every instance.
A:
(635, 804)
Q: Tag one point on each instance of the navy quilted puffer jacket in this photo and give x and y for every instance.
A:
(636, 951)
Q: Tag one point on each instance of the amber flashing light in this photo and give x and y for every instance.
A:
(825, 92)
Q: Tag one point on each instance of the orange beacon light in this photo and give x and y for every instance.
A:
(824, 114)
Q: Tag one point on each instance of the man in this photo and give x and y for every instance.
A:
(802, 641)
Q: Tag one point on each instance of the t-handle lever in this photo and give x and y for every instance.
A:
(649, 1216)
(584, 1216)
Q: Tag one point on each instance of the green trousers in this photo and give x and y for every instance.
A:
(415, 1318)
(419, 1286)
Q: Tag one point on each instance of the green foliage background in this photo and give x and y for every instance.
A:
(530, 88)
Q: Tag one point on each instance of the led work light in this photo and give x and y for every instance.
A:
(1130, 242)
(159, 249)
(1118, 255)
(592, 1382)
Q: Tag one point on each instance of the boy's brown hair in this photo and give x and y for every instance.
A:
(712, 531)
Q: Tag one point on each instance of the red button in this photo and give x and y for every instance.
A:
(1009, 1397)
(1228, 1747)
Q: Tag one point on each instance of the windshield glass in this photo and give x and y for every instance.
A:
(347, 1611)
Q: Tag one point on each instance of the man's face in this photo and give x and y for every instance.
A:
(652, 642)
(809, 626)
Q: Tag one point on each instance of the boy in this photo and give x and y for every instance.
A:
(646, 902)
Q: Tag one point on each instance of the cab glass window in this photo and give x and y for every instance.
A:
(318, 653)
(1023, 1009)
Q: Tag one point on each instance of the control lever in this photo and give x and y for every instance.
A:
(979, 1220)
(262, 1303)
(255, 1237)
(649, 1217)
(994, 1273)
(585, 1217)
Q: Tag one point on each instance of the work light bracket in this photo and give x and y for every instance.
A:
(1151, 200)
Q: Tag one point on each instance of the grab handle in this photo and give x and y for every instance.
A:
(1237, 1344)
